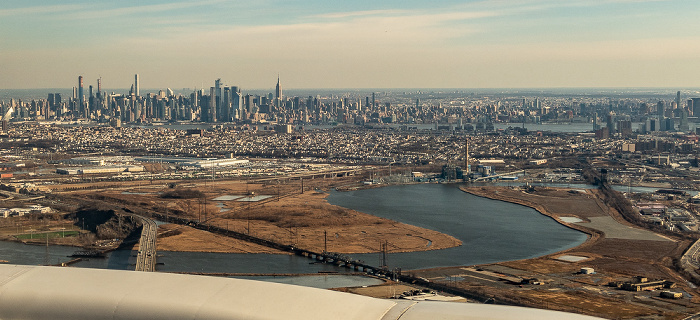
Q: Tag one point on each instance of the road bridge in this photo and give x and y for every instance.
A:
(334, 173)
(146, 256)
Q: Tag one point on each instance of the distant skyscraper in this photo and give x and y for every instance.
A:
(137, 92)
(669, 124)
(81, 97)
(278, 92)
(57, 102)
(690, 107)
(678, 100)
(235, 102)
(660, 109)
(696, 106)
(683, 125)
(211, 117)
(91, 101)
(224, 113)
(217, 99)
(595, 121)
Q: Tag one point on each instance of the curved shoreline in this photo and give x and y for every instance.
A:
(404, 237)
(592, 234)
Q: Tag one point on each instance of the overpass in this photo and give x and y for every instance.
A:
(56, 293)
(498, 175)
(333, 173)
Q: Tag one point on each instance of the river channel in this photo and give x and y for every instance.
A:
(490, 230)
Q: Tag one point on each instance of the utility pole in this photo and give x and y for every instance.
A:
(383, 248)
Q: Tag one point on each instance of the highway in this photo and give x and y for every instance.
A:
(146, 257)
(498, 175)
(691, 259)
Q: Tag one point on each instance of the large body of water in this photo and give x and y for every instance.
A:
(490, 230)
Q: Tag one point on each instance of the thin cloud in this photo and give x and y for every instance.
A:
(352, 14)
(101, 13)
(39, 10)
(515, 7)
(443, 15)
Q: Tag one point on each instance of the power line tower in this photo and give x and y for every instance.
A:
(383, 248)
(325, 241)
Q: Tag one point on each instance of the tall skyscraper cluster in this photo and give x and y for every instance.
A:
(221, 103)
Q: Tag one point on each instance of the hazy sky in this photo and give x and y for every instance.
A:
(351, 44)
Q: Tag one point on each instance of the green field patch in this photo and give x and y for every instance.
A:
(50, 235)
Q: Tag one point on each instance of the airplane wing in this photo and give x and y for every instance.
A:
(37, 292)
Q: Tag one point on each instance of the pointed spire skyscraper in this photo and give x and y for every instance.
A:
(137, 90)
(278, 91)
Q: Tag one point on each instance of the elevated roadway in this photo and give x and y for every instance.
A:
(499, 175)
(331, 173)
(691, 258)
(146, 256)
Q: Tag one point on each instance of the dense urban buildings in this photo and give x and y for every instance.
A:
(168, 154)
(608, 115)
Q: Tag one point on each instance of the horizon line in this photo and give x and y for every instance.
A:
(388, 88)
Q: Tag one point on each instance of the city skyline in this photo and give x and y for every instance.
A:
(477, 44)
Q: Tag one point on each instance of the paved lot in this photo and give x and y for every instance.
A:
(615, 230)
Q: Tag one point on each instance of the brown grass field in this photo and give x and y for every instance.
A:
(306, 220)
(614, 259)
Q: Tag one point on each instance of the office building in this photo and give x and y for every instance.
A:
(278, 93)
(81, 97)
(695, 105)
(683, 126)
(211, 117)
(137, 91)
(216, 95)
